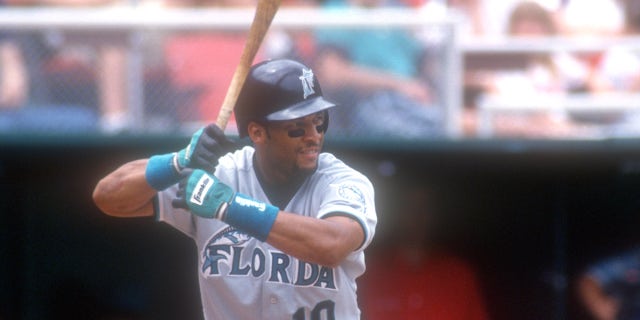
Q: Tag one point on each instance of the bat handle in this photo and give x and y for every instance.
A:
(264, 14)
(232, 95)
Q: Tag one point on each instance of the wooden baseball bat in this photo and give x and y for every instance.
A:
(265, 12)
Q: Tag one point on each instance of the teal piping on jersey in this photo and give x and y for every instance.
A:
(350, 216)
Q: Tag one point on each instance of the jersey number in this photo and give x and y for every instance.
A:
(327, 306)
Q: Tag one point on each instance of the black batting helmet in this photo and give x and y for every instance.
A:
(277, 90)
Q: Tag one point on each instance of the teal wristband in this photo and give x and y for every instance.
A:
(253, 217)
(161, 172)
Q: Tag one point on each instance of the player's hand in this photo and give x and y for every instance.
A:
(207, 145)
(203, 194)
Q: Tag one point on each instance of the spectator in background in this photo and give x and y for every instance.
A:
(473, 24)
(546, 72)
(25, 104)
(613, 71)
(85, 70)
(610, 69)
(412, 275)
(106, 68)
(377, 75)
(15, 79)
(203, 62)
(496, 13)
(610, 288)
(543, 73)
(113, 88)
(631, 9)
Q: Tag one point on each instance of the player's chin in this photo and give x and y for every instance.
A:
(308, 165)
(308, 161)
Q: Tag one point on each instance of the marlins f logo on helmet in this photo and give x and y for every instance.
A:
(277, 90)
(307, 82)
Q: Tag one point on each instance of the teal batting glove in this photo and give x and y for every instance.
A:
(205, 196)
(207, 145)
(183, 157)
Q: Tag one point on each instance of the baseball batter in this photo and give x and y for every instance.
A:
(280, 227)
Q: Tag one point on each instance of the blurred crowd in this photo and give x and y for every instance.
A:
(390, 82)
(568, 89)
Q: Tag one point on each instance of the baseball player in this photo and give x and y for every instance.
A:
(280, 227)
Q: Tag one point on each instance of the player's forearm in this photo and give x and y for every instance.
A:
(13, 91)
(125, 192)
(597, 302)
(323, 241)
(113, 81)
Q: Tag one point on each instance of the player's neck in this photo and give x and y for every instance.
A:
(274, 174)
(279, 191)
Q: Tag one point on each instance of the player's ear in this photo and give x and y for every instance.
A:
(257, 132)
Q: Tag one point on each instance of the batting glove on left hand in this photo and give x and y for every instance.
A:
(205, 196)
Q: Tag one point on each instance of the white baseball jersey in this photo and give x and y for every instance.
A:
(244, 278)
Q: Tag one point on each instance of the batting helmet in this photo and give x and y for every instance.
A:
(277, 90)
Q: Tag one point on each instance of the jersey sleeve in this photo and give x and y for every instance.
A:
(614, 270)
(178, 218)
(353, 198)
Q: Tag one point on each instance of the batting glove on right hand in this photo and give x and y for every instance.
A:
(206, 147)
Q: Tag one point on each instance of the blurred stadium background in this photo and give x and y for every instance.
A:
(533, 184)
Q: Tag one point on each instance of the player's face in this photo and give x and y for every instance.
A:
(296, 144)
